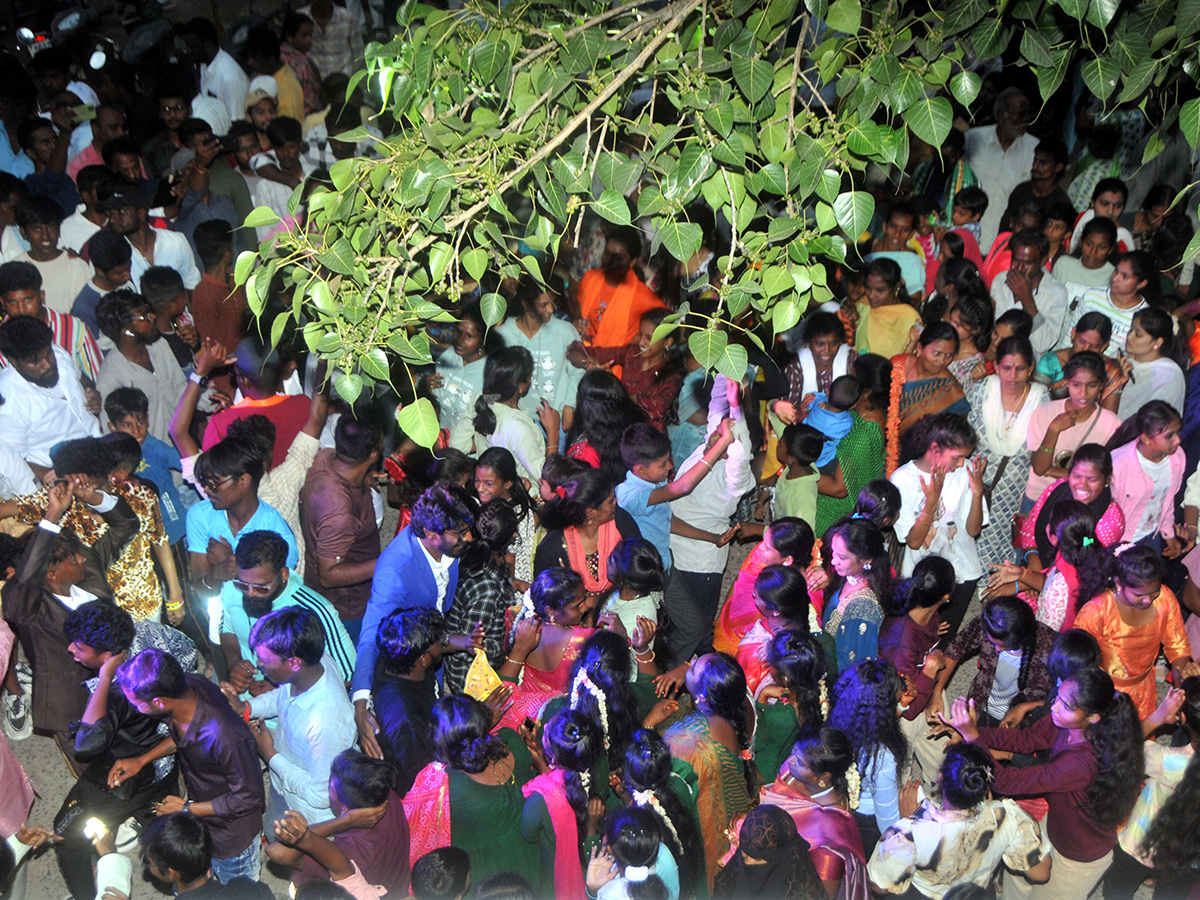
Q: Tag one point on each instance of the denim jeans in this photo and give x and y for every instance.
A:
(245, 864)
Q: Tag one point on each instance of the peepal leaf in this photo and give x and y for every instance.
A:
(853, 210)
(732, 362)
(965, 87)
(754, 76)
(1100, 76)
(613, 207)
(419, 421)
(930, 119)
(681, 239)
(708, 346)
(261, 217)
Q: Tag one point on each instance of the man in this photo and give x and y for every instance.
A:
(262, 55)
(203, 148)
(139, 358)
(1049, 160)
(324, 148)
(612, 299)
(898, 229)
(173, 99)
(109, 739)
(163, 289)
(128, 215)
(219, 307)
(220, 74)
(999, 155)
(63, 273)
(262, 106)
(314, 715)
(265, 584)
(247, 145)
(282, 168)
(92, 182)
(260, 373)
(112, 262)
(44, 401)
(48, 150)
(337, 41)
(337, 517)
(123, 156)
(418, 569)
(21, 294)
(216, 751)
(1028, 286)
(108, 124)
(57, 574)
(177, 850)
(229, 474)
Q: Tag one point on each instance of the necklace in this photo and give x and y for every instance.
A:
(498, 771)
(1010, 416)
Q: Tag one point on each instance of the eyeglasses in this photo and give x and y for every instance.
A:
(259, 589)
(141, 317)
(211, 485)
(177, 108)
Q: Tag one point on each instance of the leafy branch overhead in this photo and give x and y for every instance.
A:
(510, 122)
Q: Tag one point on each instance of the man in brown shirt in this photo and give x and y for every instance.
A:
(337, 517)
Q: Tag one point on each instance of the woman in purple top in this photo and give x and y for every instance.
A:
(1090, 782)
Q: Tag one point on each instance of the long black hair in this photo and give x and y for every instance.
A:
(604, 660)
(932, 580)
(501, 461)
(1117, 740)
(967, 775)
(574, 743)
(1074, 528)
(724, 689)
(646, 774)
(825, 750)
(1011, 621)
(1172, 840)
(783, 588)
(864, 709)
(504, 372)
(863, 538)
(460, 728)
(799, 665)
(603, 410)
(574, 497)
(1155, 417)
(1130, 564)
(633, 835)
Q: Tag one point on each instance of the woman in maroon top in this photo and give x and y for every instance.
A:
(1090, 783)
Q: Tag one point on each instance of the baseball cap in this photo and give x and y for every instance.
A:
(262, 87)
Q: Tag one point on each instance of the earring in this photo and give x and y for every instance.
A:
(866, 567)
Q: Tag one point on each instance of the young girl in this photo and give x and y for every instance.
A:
(973, 318)
(864, 709)
(1150, 367)
(1148, 466)
(859, 589)
(1132, 615)
(1091, 333)
(499, 420)
(1132, 287)
(796, 697)
(534, 326)
(496, 478)
(1090, 265)
(1090, 782)
(942, 510)
(457, 377)
(557, 471)
(636, 571)
(555, 816)
(796, 486)
(633, 863)
(781, 597)
(886, 319)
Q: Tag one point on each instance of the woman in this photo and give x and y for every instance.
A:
(812, 787)
(822, 355)
(770, 861)
(534, 326)
(886, 319)
(1132, 287)
(956, 277)
(1148, 465)
(1057, 428)
(555, 815)
(1087, 482)
(864, 709)
(781, 597)
(633, 862)
(962, 840)
(1001, 408)
(297, 32)
(922, 385)
(786, 542)
(603, 410)
(711, 746)
(797, 698)
(1150, 367)
(1090, 267)
(973, 319)
(1090, 781)
(1092, 332)
(860, 454)
(859, 590)
(499, 420)
(457, 378)
(470, 796)
(546, 643)
(583, 525)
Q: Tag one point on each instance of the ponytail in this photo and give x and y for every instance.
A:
(1117, 740)
(504, 371)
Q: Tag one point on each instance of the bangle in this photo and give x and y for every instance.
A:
(172, 607)
(706, 462)
(638, 654)
(515, 662)
(246, 712)
(1045, 449)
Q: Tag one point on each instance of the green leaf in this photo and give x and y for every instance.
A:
(774, 178)
(990, 37)
(493, 308)
(962, 15)
(475, 262)
(348, 386)
(1051, 77)
(720, 118)
(1187, 18)
(755, 76)
(773, 140)
(965, 87)
(844, 16)
(682, 239)
(829, 185)
(1035, 48)
(613, 207)
(694, 166)
(930, 119)
(707, 346)
(260, 217)
(1101, 12)
(1193, 248)
(782, 229)
(776, 280)
(339, 258)
(488, 58)
(375, 363)
(1154, 146)
(618, 171)
(785, 314)
(855, 208)
(732, 362)
(1138, 80)
(322, 297)
(419, 421)
(1100, 75)
(440, 255)
(241, 269)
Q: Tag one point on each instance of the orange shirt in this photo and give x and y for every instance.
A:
(614, 314)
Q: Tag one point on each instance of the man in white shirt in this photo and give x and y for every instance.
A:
(88, 218)
(128, 214)
(1001, 155)
(44, 401)
(1027, 285)
(221, 75)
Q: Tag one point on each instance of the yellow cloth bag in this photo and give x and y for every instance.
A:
(481, 677)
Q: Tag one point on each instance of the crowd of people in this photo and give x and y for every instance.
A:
(538, 685)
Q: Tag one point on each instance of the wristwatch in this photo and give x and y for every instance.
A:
(199, 379)
(187, 805)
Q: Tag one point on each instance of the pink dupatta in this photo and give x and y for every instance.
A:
(568, 871)
(427, 808)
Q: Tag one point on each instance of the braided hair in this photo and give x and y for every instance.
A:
(799, 665)
(721, 681)
(604, 661)
(1011, 622)
(573, 743)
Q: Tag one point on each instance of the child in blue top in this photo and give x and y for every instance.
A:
(127, 409)
(646, 494)
(830, 414)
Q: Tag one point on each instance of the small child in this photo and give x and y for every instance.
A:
(830, 415)
(796, 487)
(636, 571)
(1014, 323)
(970, 204)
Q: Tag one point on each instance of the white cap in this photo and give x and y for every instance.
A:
(261, 87)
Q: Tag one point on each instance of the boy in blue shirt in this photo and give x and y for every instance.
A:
(646, 494)
(128, 409)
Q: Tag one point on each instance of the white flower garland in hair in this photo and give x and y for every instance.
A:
(824, 700)
(582, 680)
(585, 778)
(649, 799)
(853, 785)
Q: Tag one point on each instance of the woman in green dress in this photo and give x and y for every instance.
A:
(711, 746)
(797, 698)
(470, 796)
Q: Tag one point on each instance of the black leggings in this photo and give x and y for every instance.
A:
(956, 609)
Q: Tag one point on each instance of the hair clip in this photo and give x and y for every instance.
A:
(1117, 551)
(1088, 541)
(857, 515)
(560, 492)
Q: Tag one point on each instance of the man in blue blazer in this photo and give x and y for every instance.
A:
(419, 568)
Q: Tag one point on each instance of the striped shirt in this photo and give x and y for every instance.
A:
(73, 336)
